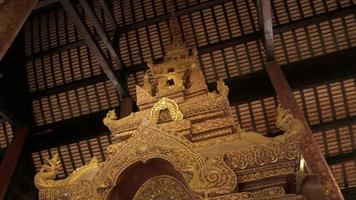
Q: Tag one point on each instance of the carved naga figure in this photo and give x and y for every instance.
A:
(287, 123)
(45, 178)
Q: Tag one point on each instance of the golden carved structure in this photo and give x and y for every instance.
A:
(181, 123)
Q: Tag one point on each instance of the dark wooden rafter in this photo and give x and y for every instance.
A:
(317, 18)
(131, 27)
(328, 67)
(90, 126)
(341, 157)
(72, 12)
(318, 70)
(266, 27)
(105, 5)
(101, 32)
(204, 49)
(45, 3)
(13, 15)
(10, 159)
(201, 50)
(312, 155)
(86, 126)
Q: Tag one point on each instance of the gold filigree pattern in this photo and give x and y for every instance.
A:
(275, 193)
(163, 104)
(210, 151)
(163, 187)
(198, 172)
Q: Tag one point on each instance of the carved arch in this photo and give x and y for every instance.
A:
(136, 175)
(203, 175)
(162, 104)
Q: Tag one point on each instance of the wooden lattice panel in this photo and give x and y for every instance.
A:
(74, 155)
(75, 103)
(6, 134)
(345, 173)
(321, 104)
(336, 141)
(223, 23)
(54, 28)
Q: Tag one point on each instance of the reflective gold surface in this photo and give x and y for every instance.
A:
(183, 123)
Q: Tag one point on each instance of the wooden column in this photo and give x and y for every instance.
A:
(9, 162)
(126, 107)
(312, 155)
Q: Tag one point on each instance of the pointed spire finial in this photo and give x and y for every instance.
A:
(174, 28)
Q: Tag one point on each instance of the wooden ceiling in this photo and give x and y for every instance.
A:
(314, 42)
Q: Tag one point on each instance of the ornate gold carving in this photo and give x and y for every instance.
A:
(203, 175)
(252, 174)
(163, 187)
(269, 193)
(163, 104)
(142, 96)
(287, 123)
(211, 169)
(66, 188)
(285, 147)
(222, 88)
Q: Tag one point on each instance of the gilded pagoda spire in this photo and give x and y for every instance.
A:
(181, 122)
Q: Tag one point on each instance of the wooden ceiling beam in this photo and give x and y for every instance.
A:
(349, 192)
(69, 131)
(309, 148)
(45, 3)
(105, 5)
(166, 17)
(317, 70)
(91, 125)
(94, 47)
(341, 157)
(9, 162)
(13, 15)
(76, 129)
(131, 27)
(266, 27)
(223, 44)
(101, 32)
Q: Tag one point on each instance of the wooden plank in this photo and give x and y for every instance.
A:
(10, 159)
(13, 14)
(69, 8)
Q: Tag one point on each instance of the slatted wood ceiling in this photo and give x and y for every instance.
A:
(5, 134)
(50, 64)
